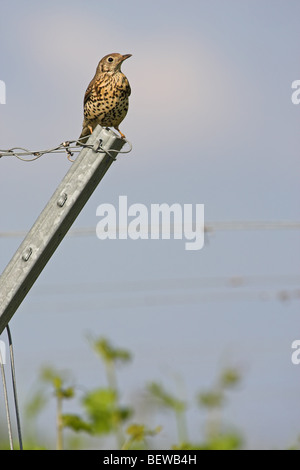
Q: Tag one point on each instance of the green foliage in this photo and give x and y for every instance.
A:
(164, 398)
(110, 415)
(108, 353)
(169, 401)
(57, 380)
(103, 414)
(225, 441)
(211, 399)
(103, 411)
(230, 378)
(138, 433)
(215, 398)
(76, 423)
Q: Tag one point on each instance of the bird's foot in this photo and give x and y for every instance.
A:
(121, 133)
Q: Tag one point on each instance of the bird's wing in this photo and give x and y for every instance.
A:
(123, 84)
(128, 89)
(101, 82)
(88, 91)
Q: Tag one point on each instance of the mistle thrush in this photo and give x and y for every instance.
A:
(106, 98)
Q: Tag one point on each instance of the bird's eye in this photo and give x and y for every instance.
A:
(110, 59)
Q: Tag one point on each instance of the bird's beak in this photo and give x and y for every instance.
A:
(125, 56)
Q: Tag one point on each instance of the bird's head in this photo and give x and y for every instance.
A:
(112, 62)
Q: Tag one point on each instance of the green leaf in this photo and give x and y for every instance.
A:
(211, 399)
(224, 442)
(166, 399)
(230, 378)
(48, 374)
(139, 431)
(136, 431)
(101, 407)
(75, 423)
(67, 392)
(109, 353)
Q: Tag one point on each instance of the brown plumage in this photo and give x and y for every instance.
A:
(106, 98)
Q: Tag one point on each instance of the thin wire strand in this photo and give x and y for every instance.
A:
(69, 147)
(148, 299)
(6, 403)
(14, 383)
(209, 228)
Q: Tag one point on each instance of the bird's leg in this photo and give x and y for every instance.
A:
(90, 129)
(121, 133)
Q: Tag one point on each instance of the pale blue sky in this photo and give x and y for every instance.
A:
(211, 121)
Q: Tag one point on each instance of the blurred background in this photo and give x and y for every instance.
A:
(211, 122)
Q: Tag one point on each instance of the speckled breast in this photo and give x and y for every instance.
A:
(109, 104)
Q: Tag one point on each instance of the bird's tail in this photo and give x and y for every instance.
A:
(83, 136)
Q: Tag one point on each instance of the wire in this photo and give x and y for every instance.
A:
(176, 284)
(253, 225)
(210, 227)
(180, 291)
(6, 402)
(13, 375)
(69, 147)
(126, 302)
(14, 383)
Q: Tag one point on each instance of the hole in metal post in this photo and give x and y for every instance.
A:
(61, 201)
(27, 254)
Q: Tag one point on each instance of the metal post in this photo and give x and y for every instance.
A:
(55, 220)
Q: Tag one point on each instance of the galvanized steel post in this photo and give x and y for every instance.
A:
(55, 220)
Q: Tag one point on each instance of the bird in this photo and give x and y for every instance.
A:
(106, 98)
